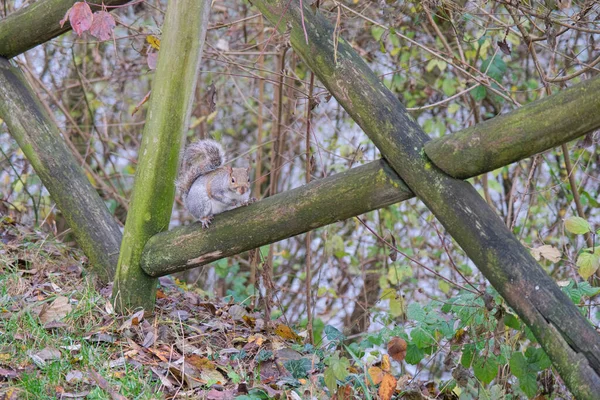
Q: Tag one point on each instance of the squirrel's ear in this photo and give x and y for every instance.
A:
(229, 169)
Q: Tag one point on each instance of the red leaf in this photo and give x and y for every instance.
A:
(80, 17)
(102, 25)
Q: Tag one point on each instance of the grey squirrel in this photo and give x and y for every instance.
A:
(206, 186)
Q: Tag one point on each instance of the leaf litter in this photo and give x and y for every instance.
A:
(191, 347)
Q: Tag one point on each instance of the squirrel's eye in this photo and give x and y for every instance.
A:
(232, 180)
(248, 179)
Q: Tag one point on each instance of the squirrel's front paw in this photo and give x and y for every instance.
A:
(250, 201)
(206, 221)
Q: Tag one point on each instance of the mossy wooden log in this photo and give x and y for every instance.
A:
(286, 214)
(37, 23)
(514, 136)
(565, 334)
(173, 90)
(94, 228)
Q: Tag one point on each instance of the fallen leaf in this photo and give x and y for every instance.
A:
(388, 387)
(49, 353)
(74, 376)
(286, 332)
(376, 375)
(103, 24)
(56, 310)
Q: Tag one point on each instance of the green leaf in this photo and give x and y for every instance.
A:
(421, 337)
(528, 385)
(495, 67)
(431, 64)
(330, 380)
(537, 359)
(415, 312)
(577, 225)
(486, 368)
(588, 290)
(377, 32)
(518, 365)
(512, 321)
(340, 368)
(479, 93)
(413, 354)
(468, 353)
(588, 264)
(397, 306)
(333, 334)
(298, 368)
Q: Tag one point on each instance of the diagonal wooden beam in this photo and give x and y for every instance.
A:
(566, 336)
(38, 23)
(94, 228)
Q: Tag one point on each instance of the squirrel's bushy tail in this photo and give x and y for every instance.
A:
(199, 158)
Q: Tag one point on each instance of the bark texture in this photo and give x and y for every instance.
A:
(94, 228)
(38, 23)
(567, 337)
(173, 89)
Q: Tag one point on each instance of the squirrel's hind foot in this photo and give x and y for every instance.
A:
(206, 221)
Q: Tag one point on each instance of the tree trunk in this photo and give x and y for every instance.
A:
(173, 90)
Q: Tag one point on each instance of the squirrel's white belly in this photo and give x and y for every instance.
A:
(218, 207)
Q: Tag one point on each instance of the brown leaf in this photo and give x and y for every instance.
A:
(546, 251)
(56, 310)
(397, 348)
(80, 17)
(393, 252)
(388, 387)
(502, 45)
(103, 24)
